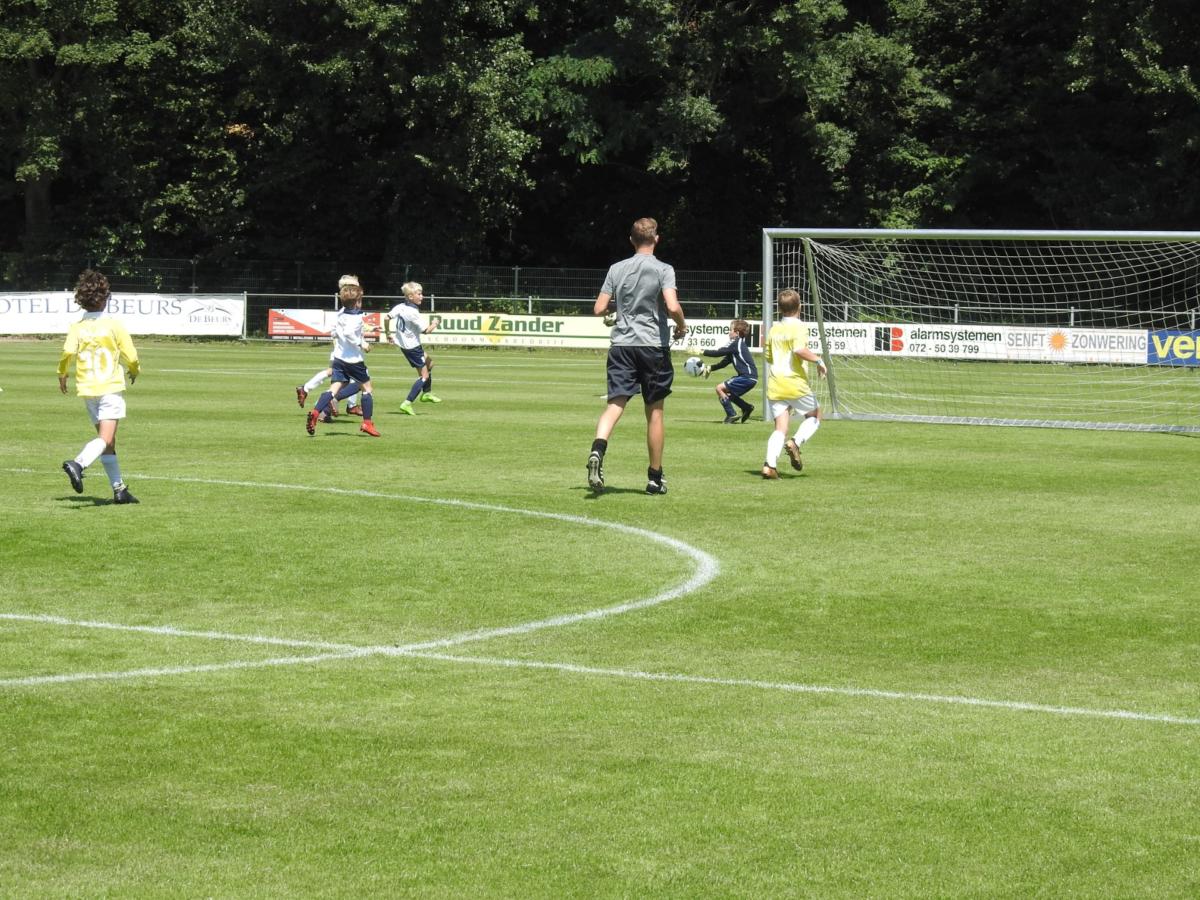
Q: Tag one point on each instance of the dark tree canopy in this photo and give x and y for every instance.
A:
(525, 132)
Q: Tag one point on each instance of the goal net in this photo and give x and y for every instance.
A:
(1053, 329)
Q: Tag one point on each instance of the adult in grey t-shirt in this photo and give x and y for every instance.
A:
(636, 287)
(640, 291)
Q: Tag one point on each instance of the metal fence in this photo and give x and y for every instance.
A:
(514, 289)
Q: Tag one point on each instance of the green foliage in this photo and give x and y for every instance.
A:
(497, 130)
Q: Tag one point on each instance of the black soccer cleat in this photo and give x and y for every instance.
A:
(122, 495)
(595, 470)
(731, 420)
(656, 487)
(75, 472)
(747, 414)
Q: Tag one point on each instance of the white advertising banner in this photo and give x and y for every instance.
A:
(53, 312)
(991, 342)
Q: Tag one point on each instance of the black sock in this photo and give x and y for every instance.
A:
(599, 445)
(654, 475)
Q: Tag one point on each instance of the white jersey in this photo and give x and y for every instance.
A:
(348, 336)
(407, 325)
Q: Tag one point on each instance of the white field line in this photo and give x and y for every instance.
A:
(794, 688)
(418, 651)
(706, 570)
(32, 680)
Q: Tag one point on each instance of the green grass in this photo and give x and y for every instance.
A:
(677, 750)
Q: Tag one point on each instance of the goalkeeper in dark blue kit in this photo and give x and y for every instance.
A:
(737, 352)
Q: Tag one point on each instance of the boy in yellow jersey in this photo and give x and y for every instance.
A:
(99, 345)
(787, 388)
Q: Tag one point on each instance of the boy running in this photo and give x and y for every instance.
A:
(98, 345)
(787, 387)
(407, 327)
(349, 359)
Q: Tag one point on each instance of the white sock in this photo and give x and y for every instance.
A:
(807, 429)
(90, 452)
(313, 383)
(774, 448)
(111, 468)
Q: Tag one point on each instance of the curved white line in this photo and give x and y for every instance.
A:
(706, 569)
(706, 566)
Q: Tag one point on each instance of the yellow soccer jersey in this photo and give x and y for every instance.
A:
(99, 344)
(785, 371)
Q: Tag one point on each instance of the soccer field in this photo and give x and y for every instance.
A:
(942, 661)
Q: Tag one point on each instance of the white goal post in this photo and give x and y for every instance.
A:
(1060, 329)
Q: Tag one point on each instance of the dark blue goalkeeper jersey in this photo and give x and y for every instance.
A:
(737, 352)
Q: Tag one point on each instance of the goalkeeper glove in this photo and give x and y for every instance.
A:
(610, 319)
(706, 371)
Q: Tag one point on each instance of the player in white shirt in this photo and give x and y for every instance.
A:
(349, 357)
(407, 327)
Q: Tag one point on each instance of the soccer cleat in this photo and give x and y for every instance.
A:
(656, 487)
(75, 472)
(731, 420)
(368, 427)
(406, 408)
(747, 414)
(301, 395)
(595, 470)
(429, 398)
(121, 495)
(325, 417)
(354, 410)
(770, 473)
(310, 422)
(333, 410)
(793, 452)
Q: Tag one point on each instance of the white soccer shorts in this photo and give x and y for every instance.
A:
(802, 405)
(106, 406)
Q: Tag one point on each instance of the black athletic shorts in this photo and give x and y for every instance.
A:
(644, 370)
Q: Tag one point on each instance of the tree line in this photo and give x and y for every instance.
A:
(531, 132)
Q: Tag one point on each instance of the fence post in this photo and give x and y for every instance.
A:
(516, 281)
(741, 298)
(298, 265)
(1071, 321)
(529, 305)
(955, 313)
(194, 261)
